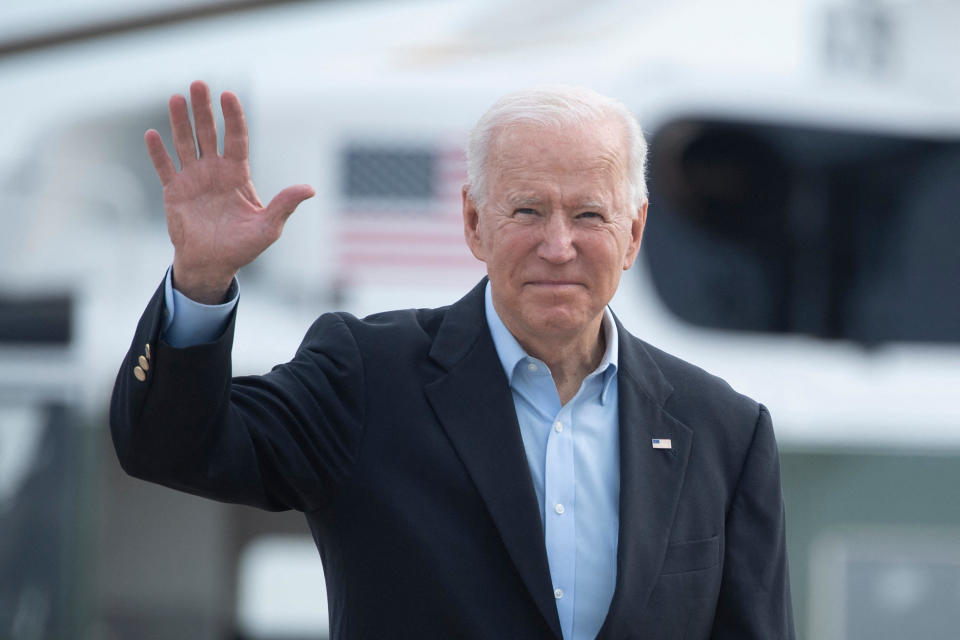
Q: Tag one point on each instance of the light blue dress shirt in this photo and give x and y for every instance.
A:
(196, 322)
(573, 452)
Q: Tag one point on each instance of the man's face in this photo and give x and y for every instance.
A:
(557, 228)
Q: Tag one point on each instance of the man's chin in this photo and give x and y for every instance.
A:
(554, 298)
(558, 321)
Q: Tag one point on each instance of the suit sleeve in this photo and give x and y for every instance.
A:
(284, 440)
(754, 598)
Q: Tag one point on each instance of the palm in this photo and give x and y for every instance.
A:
(214, 213)
(216, 221)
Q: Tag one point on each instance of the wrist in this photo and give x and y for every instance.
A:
(205, 288)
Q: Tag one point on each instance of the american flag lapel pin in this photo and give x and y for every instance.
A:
(661, 443)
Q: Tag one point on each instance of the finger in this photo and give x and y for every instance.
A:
(235, 140)
(161, 159)
(286, 202)
(203, 119)
(182, 131)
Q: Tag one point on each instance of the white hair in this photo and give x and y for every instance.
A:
(554, 106)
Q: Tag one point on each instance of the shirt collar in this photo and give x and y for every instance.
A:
(511, 353)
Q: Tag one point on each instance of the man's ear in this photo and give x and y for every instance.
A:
(471, 225)
(636, 235)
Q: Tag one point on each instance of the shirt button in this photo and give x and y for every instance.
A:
(559, 508)
(558, 426)
(532, 366)
(558, 593)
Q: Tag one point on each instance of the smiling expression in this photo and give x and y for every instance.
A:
(557, 227)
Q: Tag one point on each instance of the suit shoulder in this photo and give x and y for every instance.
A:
(387, 332)
(698, 395)
(395, 323)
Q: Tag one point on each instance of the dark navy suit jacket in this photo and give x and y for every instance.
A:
(397, 437)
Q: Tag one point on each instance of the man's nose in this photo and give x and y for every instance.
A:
(557, 243)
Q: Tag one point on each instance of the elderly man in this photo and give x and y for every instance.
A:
(515, 465)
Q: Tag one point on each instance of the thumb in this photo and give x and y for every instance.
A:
(285, 202)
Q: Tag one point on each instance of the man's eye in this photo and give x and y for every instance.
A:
(525, 211)
(590, 215)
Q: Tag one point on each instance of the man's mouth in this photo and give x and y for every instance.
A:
(554, 283)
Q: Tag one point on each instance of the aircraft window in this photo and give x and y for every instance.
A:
(784, 229)
(376, 172)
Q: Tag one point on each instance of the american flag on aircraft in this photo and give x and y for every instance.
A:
(400, 215)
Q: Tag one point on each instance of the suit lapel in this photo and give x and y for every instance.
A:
(650, 484)
(473, 403)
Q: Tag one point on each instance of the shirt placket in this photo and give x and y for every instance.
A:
(560, 510)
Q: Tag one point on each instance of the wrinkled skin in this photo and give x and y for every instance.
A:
(556, 231)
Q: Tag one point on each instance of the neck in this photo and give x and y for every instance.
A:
(570, 358)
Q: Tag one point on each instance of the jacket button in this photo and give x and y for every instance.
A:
(146, 350)
(139, 374)
(144, 363)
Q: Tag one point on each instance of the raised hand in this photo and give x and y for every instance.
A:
(215, 219)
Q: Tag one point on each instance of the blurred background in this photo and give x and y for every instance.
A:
(802, 243)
